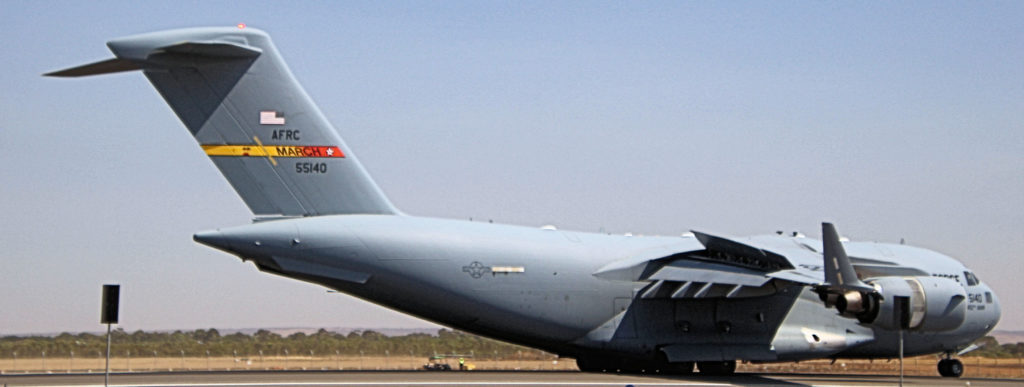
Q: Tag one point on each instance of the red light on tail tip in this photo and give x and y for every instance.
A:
(241, 26)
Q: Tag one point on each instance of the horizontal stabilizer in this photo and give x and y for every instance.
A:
(113, 65)
(212, 49)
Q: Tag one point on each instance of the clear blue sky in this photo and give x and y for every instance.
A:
(894, 120)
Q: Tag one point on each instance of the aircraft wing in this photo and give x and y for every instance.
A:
(723, 268)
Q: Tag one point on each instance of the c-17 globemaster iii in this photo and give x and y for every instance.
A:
(614, 303)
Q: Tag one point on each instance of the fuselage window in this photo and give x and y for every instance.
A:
(988, 297)
(971, 279)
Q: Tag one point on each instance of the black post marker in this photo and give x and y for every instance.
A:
(108, 315)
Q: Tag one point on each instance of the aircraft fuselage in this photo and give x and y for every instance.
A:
(536, 287)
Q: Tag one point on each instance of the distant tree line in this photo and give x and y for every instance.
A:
(202, 341)
(991, 348)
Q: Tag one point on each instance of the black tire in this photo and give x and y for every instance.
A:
(727, 367)
(683, 368)
(587, 365)
(663, 366)
(596, 364)
(956, 368)
(951, 368)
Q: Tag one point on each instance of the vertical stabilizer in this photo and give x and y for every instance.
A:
(234, 93)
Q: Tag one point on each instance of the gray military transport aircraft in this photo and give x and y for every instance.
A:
(614, 303)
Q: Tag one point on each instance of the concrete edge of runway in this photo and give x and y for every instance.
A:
(482, 372)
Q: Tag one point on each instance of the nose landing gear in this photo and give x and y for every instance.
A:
(951, 368)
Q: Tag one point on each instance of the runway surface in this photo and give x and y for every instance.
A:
(476, 378)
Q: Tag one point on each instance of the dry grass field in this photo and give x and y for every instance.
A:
(924, 365)
(144, 364)
(978, 367)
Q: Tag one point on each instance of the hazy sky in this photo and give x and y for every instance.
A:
(893, 120)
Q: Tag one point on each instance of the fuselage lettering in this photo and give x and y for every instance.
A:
(310, 167)
(285, 134)
(289, 151)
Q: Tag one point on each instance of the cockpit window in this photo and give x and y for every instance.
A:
(971, 279)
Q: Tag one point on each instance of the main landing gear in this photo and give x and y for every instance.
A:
(606, 364)
(717, 367)
(950, 368)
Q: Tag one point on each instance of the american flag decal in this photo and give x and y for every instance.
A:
(269, 117)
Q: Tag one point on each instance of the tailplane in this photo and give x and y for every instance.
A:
(234, 93)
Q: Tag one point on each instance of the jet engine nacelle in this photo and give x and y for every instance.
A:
(935, 304)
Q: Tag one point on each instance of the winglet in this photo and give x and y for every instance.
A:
(839, 271)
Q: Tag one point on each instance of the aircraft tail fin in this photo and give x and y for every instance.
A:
(237, 97)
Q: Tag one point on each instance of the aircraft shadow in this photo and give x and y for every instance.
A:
(738, 379)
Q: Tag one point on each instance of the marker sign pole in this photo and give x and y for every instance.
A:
(106, 374)
(901, 305)
(901, 356)
(108, 315)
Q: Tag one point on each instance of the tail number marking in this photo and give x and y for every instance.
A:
(310, 167)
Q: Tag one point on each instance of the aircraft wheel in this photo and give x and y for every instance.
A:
(717, 367)
(587, 365)
(681, 368)
(956, 368)
(951, 368)
(684, 368)
(663, 366)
